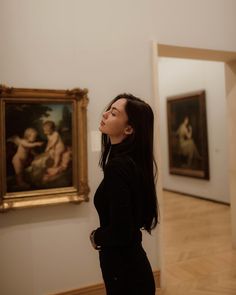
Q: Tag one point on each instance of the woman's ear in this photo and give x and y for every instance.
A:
(129, 130)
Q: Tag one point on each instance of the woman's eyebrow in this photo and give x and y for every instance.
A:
(114, 108)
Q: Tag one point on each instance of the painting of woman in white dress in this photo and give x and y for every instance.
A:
(188, 147)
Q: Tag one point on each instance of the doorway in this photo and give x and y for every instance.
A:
(229, 60)
(208, 146)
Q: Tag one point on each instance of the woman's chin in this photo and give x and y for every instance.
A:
(101, 128)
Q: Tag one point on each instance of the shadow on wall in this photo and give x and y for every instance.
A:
(44, 214)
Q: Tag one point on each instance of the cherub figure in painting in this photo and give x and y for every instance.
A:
(25, 145)
(53, 173)
(55, 146)
(49, 165)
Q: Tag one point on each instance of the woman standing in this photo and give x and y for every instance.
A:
(126, 198)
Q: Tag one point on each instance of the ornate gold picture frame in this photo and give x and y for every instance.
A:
(43, 147)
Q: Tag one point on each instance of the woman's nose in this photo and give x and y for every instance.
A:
(105, 114)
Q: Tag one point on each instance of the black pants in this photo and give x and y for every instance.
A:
(126, 271)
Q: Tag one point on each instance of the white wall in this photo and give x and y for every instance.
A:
(177, 76)
(208, 24)
(105, 46)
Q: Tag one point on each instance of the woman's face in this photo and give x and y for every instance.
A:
(186, 120)
(115, 122)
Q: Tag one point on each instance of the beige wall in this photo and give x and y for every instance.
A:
(104, 46)
(230, 73)
(208, 24)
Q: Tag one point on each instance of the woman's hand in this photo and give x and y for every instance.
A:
(96, 247)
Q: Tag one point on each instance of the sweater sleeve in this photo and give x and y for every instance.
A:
(120, 230)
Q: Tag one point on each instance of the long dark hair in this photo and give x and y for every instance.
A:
(139, 144)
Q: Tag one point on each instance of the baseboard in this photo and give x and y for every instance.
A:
(99, 289)
(195, 196)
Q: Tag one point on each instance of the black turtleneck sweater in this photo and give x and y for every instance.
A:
(118, 201)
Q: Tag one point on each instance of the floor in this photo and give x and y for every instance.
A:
(199, 259)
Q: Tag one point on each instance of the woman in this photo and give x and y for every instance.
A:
(126, 198)
(187, 146)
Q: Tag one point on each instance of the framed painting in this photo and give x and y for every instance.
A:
(187, 135)
(43, 147)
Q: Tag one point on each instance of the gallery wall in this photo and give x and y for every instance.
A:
(100, 45)
(104, 46)
(208, 24)
(179, 76)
